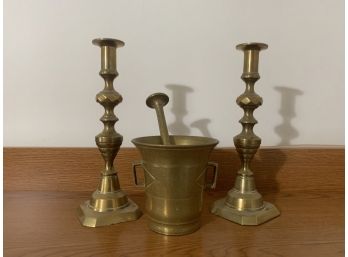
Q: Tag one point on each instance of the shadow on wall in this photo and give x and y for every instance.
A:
(178, 99)
(286, 131)
(266, 173)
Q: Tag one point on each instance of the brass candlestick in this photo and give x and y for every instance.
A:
(243, 204)
(109, 204)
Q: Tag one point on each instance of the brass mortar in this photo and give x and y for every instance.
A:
(175, 176)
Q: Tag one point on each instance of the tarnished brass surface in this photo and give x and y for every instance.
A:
(175, 176)
(243, 204)
(108, 204)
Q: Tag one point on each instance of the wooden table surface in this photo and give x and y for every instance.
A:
(44, 223)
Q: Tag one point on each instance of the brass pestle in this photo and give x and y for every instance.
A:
(157, 101)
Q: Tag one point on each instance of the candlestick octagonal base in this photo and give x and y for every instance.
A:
(90, 218)
(245, 217)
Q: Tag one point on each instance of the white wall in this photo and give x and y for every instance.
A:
(51, 68)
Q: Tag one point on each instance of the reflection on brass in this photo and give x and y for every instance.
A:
(175, 176)
(243, 204)
(109, 204)
(157, 101)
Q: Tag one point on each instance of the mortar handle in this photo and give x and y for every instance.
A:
(212, 184)
(134, 167)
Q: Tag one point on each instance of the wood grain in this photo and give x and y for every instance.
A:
(44, 187)
(77, 169)
(38, 224)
